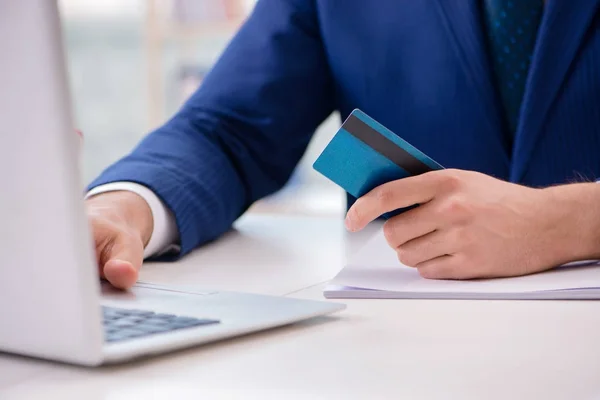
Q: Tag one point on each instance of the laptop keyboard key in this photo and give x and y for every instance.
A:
(140, 313)
(156, 321)
(183, 320)
(122, 323)
(154, 328)
(164, 316)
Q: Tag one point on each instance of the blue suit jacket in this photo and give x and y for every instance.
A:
(419, 67)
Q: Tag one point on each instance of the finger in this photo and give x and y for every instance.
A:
(389, 197)
(121, 264)
(444, 267)
(424, 248)
(410, 225)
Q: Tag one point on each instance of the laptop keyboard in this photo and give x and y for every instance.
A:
(123, 324)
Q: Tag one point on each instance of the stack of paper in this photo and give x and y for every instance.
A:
(375, 272)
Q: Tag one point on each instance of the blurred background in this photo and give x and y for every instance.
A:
(132, 63)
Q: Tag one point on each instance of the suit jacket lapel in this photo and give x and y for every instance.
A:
(462, 20)
(560, 34)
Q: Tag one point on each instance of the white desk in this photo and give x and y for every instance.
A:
(376, 349)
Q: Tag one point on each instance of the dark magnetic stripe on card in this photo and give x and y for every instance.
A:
(384, 146)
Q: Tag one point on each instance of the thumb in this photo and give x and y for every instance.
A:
(122, 260)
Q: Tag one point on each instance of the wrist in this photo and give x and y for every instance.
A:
(130, 208)
(575, 217)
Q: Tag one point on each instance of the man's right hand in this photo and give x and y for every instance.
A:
(121, 224)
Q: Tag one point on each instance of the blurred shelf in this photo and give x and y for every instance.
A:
(194, 31)
(184, 22)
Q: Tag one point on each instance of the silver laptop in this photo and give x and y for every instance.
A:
(52, 304)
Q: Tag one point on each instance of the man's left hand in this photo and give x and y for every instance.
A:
(470, 225)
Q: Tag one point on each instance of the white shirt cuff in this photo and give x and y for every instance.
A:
(165, 234)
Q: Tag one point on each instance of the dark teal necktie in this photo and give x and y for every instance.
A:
(511, 27)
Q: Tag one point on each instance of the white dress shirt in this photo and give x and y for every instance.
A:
(164, 234)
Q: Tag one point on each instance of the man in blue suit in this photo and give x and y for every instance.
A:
(504, 93)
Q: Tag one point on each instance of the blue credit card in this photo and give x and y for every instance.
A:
(364, 154)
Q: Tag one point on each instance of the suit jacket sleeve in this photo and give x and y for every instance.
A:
(239, 137)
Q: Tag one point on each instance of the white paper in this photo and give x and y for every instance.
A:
(376, 267)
